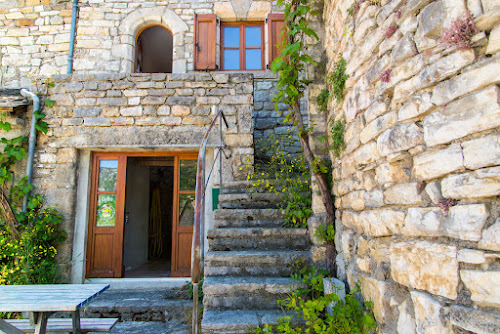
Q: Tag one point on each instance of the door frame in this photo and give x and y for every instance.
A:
(177, 155)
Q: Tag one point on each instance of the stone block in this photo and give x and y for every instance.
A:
(481, 152)
(406, 320)
(417, 105)
(426, 266)
(354, 200)
(480, 183)
(437, 71)
(463, 222)
(235, 140)
(66, 155)
(494, 41)
(488, 20)
(490, 239)
(433, 190)
(351, 134)
(375, 223)
(403, 193)
(471, 256)
(430, 165)
(429, 314)
(374, 198)
(391, 173)
(153, 100)
(400, 138)
(475, 321)
(466, 82)
(96, 121)
(483, 285)
(237, 99)
(377, 109)
(135, 92)
(179, 110)
(477, 112)
(404, 49)
(377, 126)
(366, 154)
(384, 295)
(112, 101)
(86, 111)
(131, 111)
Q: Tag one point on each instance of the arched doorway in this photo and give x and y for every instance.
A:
(154, 50)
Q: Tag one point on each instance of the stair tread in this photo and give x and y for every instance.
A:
(256, 231)
(253, 253)
(237, 321)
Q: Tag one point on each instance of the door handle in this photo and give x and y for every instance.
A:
(126, 217)
(197, 46)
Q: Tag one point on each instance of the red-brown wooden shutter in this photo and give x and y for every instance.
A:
(205, 40)
(275, 24)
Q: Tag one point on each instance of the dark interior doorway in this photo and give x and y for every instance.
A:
(154, 51)
(148, 217)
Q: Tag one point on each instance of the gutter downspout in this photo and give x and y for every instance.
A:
(72, 37)
(32, 140)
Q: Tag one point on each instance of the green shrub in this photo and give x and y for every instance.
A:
(31, 258)
(337, 79)
(309, 303)
(285, 175)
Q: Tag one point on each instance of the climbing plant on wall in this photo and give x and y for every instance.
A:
(28, 239)
(291, 87)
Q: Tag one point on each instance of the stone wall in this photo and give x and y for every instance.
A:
(417, 187)
(119, 112)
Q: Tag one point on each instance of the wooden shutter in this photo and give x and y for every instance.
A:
(205, 40)
(275, 24)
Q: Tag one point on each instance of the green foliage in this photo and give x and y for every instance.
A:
(292, 61)
(31, 258)
(28, 258)
(325, 232)
(285, 175)
(322, 100)
(337, 79)
(200, 289)
(309, 303)
(337, 134)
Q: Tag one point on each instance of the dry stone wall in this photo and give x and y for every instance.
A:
(418, 220)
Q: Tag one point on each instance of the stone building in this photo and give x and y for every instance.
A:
(416, 189)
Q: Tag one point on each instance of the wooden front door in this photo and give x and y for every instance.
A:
(107, 203)
(183, 215)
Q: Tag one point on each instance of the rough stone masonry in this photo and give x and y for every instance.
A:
(417, 188)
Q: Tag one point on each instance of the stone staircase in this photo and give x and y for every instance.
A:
(247, 267)
(158, 311)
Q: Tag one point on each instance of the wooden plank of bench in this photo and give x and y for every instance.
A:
(66, 325)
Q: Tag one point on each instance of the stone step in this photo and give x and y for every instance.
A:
(233, 292)
(225, 239)
(237, 321)
(248, 218)
(141, 305)
(234, 187)
(252, 263)
(149, 327)
(248, 201)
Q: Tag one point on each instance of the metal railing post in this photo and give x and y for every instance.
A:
(197, 248)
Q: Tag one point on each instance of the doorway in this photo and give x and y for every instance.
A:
(141, 214)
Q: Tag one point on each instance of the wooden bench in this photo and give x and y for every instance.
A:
(66, 325)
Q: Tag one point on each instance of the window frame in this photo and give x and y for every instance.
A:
(242, 46)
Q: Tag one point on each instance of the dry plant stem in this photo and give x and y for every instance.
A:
(321, 178)
(9, 215)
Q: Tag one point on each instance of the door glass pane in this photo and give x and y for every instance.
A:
(252, 36)
(105, 215)
(186, 209)
(107, 175)
(188, 174)
(253, 59)
(231, 59)
(231, 36)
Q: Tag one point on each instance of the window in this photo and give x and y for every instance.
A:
(154, 50)
(242, 46)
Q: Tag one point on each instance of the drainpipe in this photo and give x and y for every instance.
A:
(31, 141)
(72, 36)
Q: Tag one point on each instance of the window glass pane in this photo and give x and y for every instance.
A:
(188, 174)
(186, 209)
(107, 175)
(105, 215)
(253, 59)
(252, 36)
(231, 36)
(231, 59)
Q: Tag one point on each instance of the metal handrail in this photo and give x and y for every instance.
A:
(197, 248)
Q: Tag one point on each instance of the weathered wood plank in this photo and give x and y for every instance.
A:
(50, 298)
